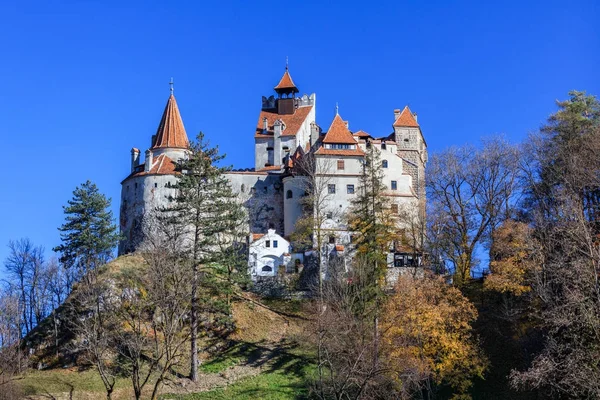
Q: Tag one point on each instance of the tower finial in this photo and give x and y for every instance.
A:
(171, 85)
(286, 63)
(337, 109)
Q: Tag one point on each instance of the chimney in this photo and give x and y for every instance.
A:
(265, 125)
(415, 115)
(135, 158)
(148, 161)
(314, 133)
(396, 114)
(277, 129)
(347, 124)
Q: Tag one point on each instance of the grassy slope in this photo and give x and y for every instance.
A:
(264, 339)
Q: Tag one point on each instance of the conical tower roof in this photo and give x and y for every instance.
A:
(338, 132)
(286, 84)
(171, 133)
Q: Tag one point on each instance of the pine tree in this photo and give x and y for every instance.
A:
(88, 235)
(374, 227)
(213, 219)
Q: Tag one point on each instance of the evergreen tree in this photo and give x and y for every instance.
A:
(374, 227)
(213, 219)
(88, 235)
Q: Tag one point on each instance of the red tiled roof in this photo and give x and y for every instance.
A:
(270, 168)
(286, 82)
(361, 134)
(292, 122)
(256, 236)
(338, 132)
(339, 247)
(171, 132)
(161, 165)
(406, 118)
(338, 152)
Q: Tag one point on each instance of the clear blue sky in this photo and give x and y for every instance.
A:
(84, 81)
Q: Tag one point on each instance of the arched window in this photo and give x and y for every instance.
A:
(384, 164)
(383, 146)
(266, 268)
(289, 194)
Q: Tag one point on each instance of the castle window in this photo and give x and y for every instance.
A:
(267, 243)
(384, 164)
(331, 188)
(266, 268)
(155, 184)
(136, 185)
(331, 239)
(394, 208)
(269, 149)
(382, 146)
(406, 140)
(340, 164)
(329, 215)
(285, 148)
(350, 189)
(394, 185)
(275, 243)
(288, 194)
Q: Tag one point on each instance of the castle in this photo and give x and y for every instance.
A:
(272, 191)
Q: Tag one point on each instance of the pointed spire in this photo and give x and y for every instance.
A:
(171, 83)
(406, 118)
(171, 132)
(286, 84)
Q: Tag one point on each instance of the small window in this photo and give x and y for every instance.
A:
(384, 164)
(331, 239)
(289, 194)
(127, 187)
(394, 185)
(350, 189)
(340, 164)
(329, 215)
(383, 146)
(155, 184)
(269, 149)
(267, 243)
(136, 185)
(394, 208)
(275, 243)
(285, 148)
(331, 188)
(266, 268)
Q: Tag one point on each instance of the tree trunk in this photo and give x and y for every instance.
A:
(194, 325)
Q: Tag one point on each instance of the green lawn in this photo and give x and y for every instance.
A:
(267, 386)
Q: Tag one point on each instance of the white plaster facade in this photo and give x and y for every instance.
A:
(267, 254)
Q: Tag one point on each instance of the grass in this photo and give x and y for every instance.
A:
(267, 386)
(64, 380)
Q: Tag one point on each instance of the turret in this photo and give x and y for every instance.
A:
(135, 158)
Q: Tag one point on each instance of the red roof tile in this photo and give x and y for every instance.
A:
(336, 152)
(256, 236)
(406, 118)
(338, 132)
(361, 134)
(171, 132)
(161, 165)
(286, 83)
(339, 247)
(292, 122)
(270, 168)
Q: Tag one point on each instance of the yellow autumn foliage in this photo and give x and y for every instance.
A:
(427, 336)
(511, 259)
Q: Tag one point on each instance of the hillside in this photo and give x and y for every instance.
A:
(262, 358)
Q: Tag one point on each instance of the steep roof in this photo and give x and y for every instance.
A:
(171, 132)
(286, 84)
(338, 132)
(361, 134)
(406, 118)
(292, 122)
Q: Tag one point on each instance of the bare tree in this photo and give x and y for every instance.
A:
(470, 192)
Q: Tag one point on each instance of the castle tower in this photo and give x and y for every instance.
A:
(284, 124)
(149, 185)
(412, 148)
